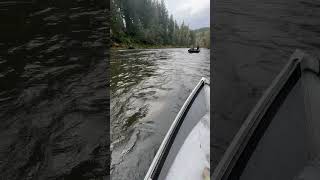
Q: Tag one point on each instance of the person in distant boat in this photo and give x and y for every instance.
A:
(198, 47)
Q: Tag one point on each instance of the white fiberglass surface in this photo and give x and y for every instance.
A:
(193, 159)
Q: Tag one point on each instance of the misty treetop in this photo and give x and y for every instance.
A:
(203, 37)
(147, 22)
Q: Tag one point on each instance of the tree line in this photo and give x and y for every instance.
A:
(203, 37)
(147, 22)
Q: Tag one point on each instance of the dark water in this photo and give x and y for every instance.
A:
(253, 40)
(53, 90)
(148, 88)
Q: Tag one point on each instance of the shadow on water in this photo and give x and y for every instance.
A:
(53, 101)
(148, 88)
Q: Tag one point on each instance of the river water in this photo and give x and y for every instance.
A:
(53, 90)
(252, 42)
(148, 88)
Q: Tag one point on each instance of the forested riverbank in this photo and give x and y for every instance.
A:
(203, 37)
(147, 23)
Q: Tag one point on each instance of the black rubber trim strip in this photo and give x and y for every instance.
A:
(250, 147)
(158, 168)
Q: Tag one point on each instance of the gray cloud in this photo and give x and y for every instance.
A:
(195, 13)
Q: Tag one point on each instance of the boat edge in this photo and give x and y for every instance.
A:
(156, 159)
(241, 138)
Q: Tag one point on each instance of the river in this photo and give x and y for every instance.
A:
(252, 42)
(148, 88)
(53, 90)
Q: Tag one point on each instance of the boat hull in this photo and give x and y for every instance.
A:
(193, 51)
(280, 138)
(193, 117)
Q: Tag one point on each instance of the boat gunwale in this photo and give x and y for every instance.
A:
(154, 170)
(242, 137)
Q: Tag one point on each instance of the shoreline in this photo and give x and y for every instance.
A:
(144, 46)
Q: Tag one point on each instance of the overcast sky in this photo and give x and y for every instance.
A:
(195, 13)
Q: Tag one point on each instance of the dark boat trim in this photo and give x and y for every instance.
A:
(263, 125)
(240, 149)
(166, 144)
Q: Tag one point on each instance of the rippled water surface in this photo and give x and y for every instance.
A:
(253, 41)
(53, 90)
(148, 88)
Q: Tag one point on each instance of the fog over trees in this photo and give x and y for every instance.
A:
(203, 37)
(147, 22)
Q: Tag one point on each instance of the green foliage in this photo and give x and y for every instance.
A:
(203, 37)
(147, 22)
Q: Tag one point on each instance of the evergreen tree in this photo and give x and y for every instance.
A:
(171, 30)
(148, 22)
